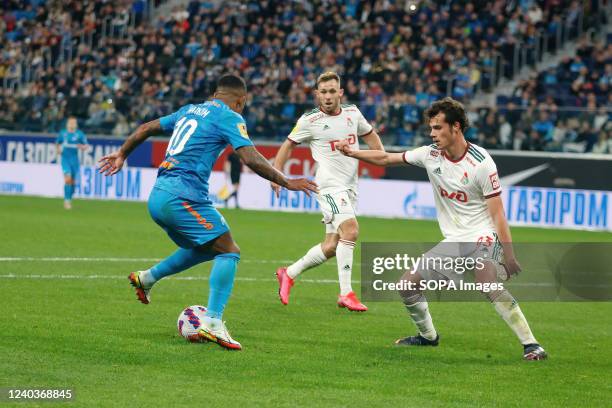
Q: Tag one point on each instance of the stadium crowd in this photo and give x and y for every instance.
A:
(113, 67)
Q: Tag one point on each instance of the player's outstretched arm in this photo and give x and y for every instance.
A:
(377, 157)
(373, 141)
(496, 210)
(256, 162)
(283, 154)
(112, 163)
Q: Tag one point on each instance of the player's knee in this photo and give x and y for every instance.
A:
(233, 248)
(349, 230)
(222, 245)
(350, 236)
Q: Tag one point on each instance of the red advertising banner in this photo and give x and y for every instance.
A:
(300, 163)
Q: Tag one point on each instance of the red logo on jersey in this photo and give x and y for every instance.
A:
(434, 153)
(460, 196)
(494, 181)
(352, 139)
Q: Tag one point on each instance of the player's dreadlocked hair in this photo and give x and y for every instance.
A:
(231, 83)
(328, 76)
(453, 112)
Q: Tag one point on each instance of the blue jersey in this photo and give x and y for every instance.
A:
(200, 133)
(69, 141)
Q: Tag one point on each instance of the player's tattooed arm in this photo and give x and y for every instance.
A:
(256, 162)
(141, 134)
(112, 163)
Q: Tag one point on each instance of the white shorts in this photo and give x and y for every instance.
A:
(483, 245)
(337, 208)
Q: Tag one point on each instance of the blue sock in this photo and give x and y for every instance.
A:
(67, 194)
(221, 283)
(72, 187)
(179, 261)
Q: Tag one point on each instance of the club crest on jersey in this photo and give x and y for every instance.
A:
(349, 122)
(465, 180)
(434, 153)
(343, 202)
(494, 181)
(243, 130)
(325, 127)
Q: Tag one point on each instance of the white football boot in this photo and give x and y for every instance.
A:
(214, 330)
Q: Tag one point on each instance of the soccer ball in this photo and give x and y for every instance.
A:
(190, 321)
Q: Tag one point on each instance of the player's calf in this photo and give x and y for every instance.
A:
(418, 308)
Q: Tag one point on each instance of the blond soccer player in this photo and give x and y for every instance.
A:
(321, 129)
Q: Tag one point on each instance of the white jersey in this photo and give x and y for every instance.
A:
(461, 188)
(321, 131)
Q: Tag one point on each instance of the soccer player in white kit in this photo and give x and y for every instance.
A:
(336, 176)
(470, 210)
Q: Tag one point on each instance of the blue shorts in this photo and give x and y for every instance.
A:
(188, 224)
(70, 168)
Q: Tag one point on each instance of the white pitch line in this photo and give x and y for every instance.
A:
(183, 278)
(111, 259)
(199, 278)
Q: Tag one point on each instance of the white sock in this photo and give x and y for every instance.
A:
(509, 310)
(146, 278)
(419, 311)
(344, 257)
(313, 257)
(212, 322)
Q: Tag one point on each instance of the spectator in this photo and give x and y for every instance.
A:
(604, 143)
(392, 57)
(505, 133)
(544, 127)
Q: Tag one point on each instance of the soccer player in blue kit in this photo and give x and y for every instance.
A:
(68, 142)
(179, 201)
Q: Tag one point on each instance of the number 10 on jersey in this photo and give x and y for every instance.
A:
(183, 130)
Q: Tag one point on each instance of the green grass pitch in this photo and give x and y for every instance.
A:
(78, 324)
